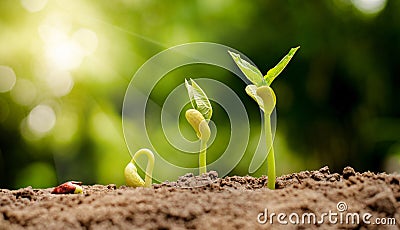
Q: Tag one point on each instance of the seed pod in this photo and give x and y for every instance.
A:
(199, 124)
(268, 97)
(70, 187)
(132, 177)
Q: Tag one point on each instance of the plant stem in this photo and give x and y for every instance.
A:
(203, 157)
(271, 157)
(269, 101)
(149, 167)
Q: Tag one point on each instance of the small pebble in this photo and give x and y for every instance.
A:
(348, 172)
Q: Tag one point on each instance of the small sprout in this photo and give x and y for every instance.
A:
(265, 97)
(198, 118)
(70, 187)
(132, 177)
(199, 124)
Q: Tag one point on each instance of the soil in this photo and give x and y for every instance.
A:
(209, 202)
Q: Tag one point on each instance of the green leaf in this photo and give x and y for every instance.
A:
(199, 99)
(251, 90)
(250, 71)
(274, 72)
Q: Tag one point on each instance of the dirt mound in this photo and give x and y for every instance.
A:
(309, 199)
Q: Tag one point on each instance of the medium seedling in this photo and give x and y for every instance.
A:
(132, 177)
(198, 117)
(265, 97)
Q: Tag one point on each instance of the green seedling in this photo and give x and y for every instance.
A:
(198, 117)
(265, 97)
(132, 177)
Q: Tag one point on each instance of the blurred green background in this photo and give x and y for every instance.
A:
(65, 66)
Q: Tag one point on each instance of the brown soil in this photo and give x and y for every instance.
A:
(228, 203)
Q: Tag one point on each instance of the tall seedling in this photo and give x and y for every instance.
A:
(263, 94)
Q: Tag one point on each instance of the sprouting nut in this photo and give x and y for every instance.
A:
(70, 187)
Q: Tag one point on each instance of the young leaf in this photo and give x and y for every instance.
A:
(250, 71)
(251, 90)
(274, 72)
(199, 99)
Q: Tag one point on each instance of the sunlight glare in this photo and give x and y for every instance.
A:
(64, 55)
(87, 40)
(64, 52)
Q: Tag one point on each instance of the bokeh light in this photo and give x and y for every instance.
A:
(41, 119)
(24, 92)
(60, 83)
(369, 6)
(7, 78)
(33, 5)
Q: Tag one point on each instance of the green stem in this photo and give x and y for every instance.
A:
(203, 157)
(149, 167)
(269, 101)
(271, 157)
